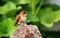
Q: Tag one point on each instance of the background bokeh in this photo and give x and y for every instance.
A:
(43, 13)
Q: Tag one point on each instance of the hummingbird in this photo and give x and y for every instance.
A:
(20, 18)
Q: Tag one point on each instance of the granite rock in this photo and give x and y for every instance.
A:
(26, 31)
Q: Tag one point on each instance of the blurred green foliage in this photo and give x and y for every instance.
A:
(38, 14)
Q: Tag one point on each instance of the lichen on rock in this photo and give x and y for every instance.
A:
(26, 31)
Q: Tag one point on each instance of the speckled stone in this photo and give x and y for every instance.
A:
(26, 31)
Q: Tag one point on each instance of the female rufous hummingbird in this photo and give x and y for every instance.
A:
(20, 18)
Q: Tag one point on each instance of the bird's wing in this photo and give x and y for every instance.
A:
(17, 19)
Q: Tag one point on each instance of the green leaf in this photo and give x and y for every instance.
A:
(11, 13)
(15, 1)
(7, 27)
(47, 17)
(24, 1)
(7, 7)
(21, 1)
(57, 16)
(32, 18)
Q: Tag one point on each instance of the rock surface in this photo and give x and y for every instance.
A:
(26, 31)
